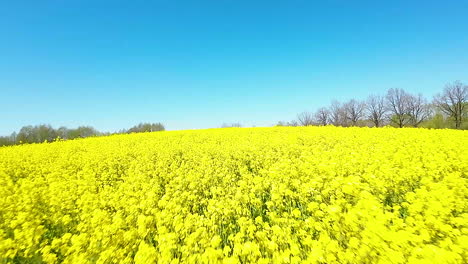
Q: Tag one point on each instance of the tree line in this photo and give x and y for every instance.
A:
(397, 107)
(46, 133)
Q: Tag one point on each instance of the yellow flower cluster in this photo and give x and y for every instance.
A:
(239, 195)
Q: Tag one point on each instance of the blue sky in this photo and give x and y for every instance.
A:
(198, 64)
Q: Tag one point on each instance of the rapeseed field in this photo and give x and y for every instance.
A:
(239, 195)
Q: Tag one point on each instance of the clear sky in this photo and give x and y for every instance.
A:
(198, 64)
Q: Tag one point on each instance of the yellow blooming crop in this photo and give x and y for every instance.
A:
(239, 195)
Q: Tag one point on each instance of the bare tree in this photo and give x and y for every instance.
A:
(305, 119)
(418, 109)
(293, 123)
(453, 101)
(376, 109)
(337, 114)
(398, 106)
(322, 116)
(354, 111)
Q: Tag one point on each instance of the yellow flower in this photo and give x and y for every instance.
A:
(250, 195)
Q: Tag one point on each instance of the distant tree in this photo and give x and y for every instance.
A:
(45, 133)
(5, 141)
(322, 116)
(26, 135)
(36, 134)
(104, 134)
(437, 121)
(87, 131)
(397, 100)
(305, 119)
(226, 125)
(337, 114)
(281, 123)
(62, 132)
(82, 132)
(293, 123)
(42, 133)
(418, 109)
(376, 109)
(146, 127)
(13, 137)
(354, 111)
(453, 102)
